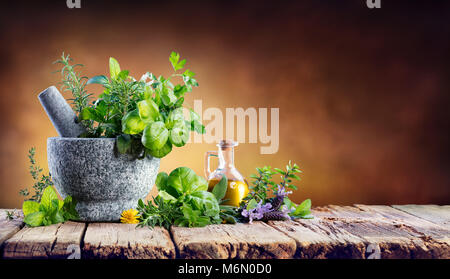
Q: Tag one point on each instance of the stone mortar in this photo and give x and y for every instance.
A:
(103, 181)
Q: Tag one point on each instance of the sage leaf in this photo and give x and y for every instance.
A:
(114, 68)
(220, 189)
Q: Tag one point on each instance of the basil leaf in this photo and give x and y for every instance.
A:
(161, 180)
(123, 143)
(179, 136)
(159, 153)
(132, 123)
(183, 179)
(166, 196)
(155, 135)
(148, 110)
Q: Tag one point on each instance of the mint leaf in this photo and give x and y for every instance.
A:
(34, 219)
(29, 207)
(48, 196)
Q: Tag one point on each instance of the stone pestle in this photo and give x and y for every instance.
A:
(60, 113)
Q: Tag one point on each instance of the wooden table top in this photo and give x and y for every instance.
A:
(359, 231)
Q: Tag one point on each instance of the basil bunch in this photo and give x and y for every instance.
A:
(50, 210)
(145, 116)
(183, 200)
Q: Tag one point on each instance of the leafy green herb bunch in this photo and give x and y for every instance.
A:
(269, 200)
(183, 200)
(145, 116)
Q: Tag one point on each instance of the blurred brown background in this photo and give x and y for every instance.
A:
(363, 94)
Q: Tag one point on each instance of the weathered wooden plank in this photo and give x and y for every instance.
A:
(55, 241)
(434, 213)
(249, 241)
(392, 238)
(435, 237)
(318, 239)
(114, 240)
(9, 227)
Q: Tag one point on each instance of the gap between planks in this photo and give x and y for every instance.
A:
(358, 231)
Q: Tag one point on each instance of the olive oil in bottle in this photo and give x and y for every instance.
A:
(237, 187)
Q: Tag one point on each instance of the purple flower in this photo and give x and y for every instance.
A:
(286, 212)
(257, 213)
(282, 191)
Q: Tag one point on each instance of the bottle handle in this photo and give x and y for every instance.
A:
(208, 155)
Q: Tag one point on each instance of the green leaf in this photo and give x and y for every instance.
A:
(160, 153)
(252, 204)
(175, 61)
(90, 113)
(29, 207)
(148, 110)
(303, 209)
(220, 189)
(114, 68)
(155, 135)
(34, 219)
(57, 218)
(98, 80)
(123, 75)
(47, 196)
(184, 180)
(168, 98)
(175, 118)
(179, 135)
(161, 180)
(166, 196)
(123, 143)
(206, 202)
(132, 123)
(189, 73)
(69, 209)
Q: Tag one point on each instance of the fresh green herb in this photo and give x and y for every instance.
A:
(12, 214)
(42, 181)
(183, 200)
(146, 115)
(73, 81)
(268, 200)
(50, 210)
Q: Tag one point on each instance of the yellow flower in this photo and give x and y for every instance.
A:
(130, 216)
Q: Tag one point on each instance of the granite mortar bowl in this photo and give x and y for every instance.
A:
(103, 182)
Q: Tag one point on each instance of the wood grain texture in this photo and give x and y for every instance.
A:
(9, 227)
(434, 213)
(243, 241)
(360, 231)
(55, 241)
(114, 240)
